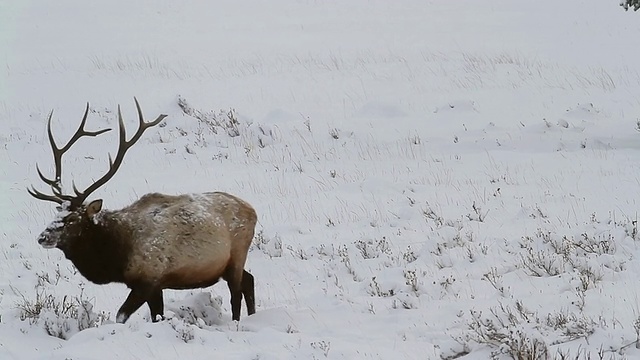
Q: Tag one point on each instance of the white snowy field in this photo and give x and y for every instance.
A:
(433, 179)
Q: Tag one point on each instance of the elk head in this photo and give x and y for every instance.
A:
(69, 225)
(75, 219)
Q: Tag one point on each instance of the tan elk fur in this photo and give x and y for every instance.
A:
(184, 241)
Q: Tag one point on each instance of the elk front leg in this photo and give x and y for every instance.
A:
(248, 292)
(137, 297)
(156, 305)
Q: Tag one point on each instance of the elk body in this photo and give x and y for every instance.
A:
(158, 242)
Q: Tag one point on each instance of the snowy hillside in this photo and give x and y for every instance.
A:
(433, 179)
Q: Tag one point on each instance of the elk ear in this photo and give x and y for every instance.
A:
(94, 207)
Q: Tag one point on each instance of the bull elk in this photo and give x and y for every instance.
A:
(158, 242)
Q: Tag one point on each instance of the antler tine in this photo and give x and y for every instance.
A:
(51, 182)
(38, 195)
(44, 178)
(81, 132)
(144, 125)
(75, 189)
(55, 186)
(124, 145)
(54, 183)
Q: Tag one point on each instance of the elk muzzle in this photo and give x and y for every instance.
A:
(46, 240)
(50, 237)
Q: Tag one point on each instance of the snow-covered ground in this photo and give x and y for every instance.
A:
(434, 179)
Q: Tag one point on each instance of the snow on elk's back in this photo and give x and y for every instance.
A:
(220, 203)
(203, 206)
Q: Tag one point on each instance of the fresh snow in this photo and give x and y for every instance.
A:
(433, 179)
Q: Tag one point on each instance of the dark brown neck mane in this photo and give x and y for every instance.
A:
(101, 254)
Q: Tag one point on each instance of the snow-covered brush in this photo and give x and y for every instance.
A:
(158, 242)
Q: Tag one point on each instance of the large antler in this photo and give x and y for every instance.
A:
(123, 146)
(122, 150)
(55, 183)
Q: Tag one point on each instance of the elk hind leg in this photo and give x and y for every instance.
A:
(156, 305)
(248, 292)
(234, 280)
